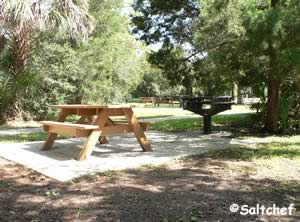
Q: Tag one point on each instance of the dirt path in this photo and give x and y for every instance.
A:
(196, 189)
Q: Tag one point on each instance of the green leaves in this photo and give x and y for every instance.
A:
(164, 21)
(102, 70)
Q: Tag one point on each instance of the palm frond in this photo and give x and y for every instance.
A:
(67, 15)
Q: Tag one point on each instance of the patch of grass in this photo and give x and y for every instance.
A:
(25, 137)
(152, 167)
(109, 173)
(266, 151)
(196, 123)
(4, 127)
(152, 116)
(162, 105)
(93, 177)
(234, 119)
(177, 125)
(287, 186)
(8, 127)
(4, 184)
(53, 194)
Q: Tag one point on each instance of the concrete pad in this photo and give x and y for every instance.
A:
(122, 152)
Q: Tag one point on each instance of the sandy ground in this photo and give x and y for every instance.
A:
(195, 189)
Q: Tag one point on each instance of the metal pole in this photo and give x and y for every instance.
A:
(207, 124)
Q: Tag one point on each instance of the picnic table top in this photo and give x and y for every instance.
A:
(94, 129)
(79, 106)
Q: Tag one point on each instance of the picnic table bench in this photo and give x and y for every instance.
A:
(157, 100)
(95, 124)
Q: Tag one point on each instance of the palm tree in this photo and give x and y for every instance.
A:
(21, 19)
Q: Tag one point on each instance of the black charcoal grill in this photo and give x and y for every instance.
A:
(207, 107)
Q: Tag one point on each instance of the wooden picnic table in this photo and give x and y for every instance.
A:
(95, 124)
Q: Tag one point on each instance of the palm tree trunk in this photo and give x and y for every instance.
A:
(21, 49)
(20, 55)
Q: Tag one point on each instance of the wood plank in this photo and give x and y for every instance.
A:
(91, 120)
(67, 125)
(86, 106)
(87, 112)
(79, 106)
(144, 125)
(114, 111)
(89, 145)
(69, 131)
(52, 136)
(137, 129)
(91, 141)
(116, 130)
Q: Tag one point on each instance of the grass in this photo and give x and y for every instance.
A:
(4, 127)
(266, 151)
(196, 123)
(282, 187)
(265, 162)
(25, 137)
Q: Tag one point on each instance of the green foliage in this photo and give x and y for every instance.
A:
(19, 22)
(248, 43)
(155, 84)
(104, 69)
(290, 106)
(168, 22)
(171, 61)
(164, 21)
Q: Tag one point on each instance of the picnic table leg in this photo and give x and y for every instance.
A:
(91, 120)
(91, 141)
(103, 139)
(52, 136)
(89, 145)
(137, 130)
(83, 119)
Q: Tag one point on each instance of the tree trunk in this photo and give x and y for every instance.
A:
(3, 117)
(189, 87)
(21, 49)
(239, 94)
(273, 106)
(20, 54)
(2, 42)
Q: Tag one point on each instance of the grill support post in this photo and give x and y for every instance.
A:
(207, 124)
(207, 106)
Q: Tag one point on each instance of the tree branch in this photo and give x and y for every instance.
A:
(208, 49)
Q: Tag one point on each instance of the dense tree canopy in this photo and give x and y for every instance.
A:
(253, 43)
(20, 22)
(67, 51)
(61, 68)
